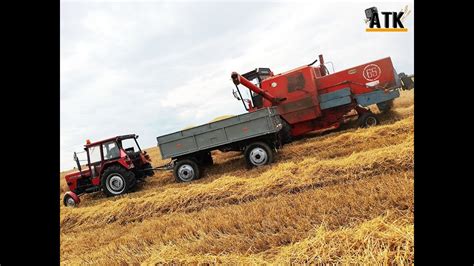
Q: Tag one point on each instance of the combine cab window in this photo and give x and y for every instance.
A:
(257, 100)
(256, 77)
(111, 150)
(94, 154)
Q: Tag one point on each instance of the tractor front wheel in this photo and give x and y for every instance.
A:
(70, 199)
(117, 180)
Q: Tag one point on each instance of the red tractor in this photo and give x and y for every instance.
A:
(310, 98)
(114, 165)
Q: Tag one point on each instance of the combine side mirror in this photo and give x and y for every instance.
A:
(236, 95)
(136, 136)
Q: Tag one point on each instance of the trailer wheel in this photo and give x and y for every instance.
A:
(117, 180)
(186, 170)
(205, 159)
(367, 120)
(208, 161)
(258, 154)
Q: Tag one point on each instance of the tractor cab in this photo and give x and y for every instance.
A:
(112, 165)
(253, 100)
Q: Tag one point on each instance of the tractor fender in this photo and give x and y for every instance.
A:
(125, 164)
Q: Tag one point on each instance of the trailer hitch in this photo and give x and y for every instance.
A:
(165, 167)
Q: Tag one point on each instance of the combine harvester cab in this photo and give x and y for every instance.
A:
(310, 98)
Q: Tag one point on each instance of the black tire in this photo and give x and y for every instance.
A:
(69, 201)
(258, 154)
(186, 170)
(207, 159)
(285, 133)
(366, 120)
(385, 106)
(117, 180)
(148, 172)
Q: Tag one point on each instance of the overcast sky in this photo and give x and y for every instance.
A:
(152, 68)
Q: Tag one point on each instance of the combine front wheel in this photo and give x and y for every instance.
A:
(385, 106)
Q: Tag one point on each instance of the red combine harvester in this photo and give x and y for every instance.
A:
(310, 98)
(114, 165)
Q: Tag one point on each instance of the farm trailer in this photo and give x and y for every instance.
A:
(257, 134)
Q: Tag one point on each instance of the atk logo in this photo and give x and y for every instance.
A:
(391, 21)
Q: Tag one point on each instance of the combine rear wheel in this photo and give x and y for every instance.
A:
(367, 119)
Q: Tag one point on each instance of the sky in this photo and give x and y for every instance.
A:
(155, 67)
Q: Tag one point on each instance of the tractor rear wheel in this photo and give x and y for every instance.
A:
(117, 180)
(258, 154)
(186, 170)
(367, 119)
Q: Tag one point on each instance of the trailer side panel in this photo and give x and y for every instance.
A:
(220, 133)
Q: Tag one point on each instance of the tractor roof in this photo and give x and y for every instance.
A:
(110, 139)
